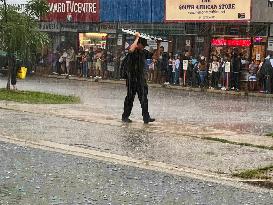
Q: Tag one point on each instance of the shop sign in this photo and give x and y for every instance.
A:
(200, 39)
(207, 10)
(258, 56)
(270, 44)
(73, 11)
(231, 42)
(227, 67)
(258, 39)
(108, 28)
(119, 41)
(49, 27)
(165, 45)
(185, 64)
(19, 5)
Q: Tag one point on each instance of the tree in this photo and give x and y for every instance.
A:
(19, 31)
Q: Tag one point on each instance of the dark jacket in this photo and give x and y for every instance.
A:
(136, 65)
(164, 62)
(266, 69)
(236, 63)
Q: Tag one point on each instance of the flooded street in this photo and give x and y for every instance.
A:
(134, 154)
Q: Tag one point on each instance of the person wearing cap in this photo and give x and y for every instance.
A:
(136, 82)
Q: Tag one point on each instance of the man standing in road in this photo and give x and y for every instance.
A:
(136, 82)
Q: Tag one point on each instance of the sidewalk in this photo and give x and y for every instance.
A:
(191, 89)
(181, 145)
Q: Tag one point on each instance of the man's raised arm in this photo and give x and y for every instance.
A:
(134, 45)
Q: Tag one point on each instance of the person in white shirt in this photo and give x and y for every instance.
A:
(214, 70)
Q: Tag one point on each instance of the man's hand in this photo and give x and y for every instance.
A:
(137, 34)
(158, 42)
(134, 45)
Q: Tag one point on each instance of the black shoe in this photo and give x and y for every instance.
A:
(149, 120)
(127, 120)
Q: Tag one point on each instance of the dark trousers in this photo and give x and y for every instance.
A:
(236, 80)
(268, 84)
(142, 92)
(214, 79)
(170, 74)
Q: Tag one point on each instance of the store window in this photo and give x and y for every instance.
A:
(223, 47)
(96, 40)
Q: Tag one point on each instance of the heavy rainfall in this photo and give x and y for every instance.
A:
(136, 102)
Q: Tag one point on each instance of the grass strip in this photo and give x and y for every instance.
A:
(260, 173)
(237, 143)
(31, 97)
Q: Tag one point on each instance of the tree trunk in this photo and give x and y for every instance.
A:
(9, 72)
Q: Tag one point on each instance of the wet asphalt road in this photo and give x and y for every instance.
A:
(241, 114)
(30, 176)
(138, 143)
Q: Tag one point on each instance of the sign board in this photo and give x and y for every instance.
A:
(188, 42)
(227, 67)
(17, 4)
(185, 64)
(199, 39)
(258, 56)
(153, 44)
(62, 38)
(111, 67)
(119, 42)
(207, 10)
(108, 28)
(270, 44)
(49, 27)
(73, 11)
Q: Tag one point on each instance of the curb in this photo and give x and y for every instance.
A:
(189, 89)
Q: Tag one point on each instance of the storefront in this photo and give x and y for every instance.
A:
(188, 28)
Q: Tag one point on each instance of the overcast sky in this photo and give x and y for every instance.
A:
(16, 1)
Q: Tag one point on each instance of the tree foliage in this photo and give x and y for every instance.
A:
(37, 8)
(19, 32)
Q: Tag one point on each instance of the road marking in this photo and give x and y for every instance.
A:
(128, 161)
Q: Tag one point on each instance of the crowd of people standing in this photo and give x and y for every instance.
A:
(215, 72)
(93, 63)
